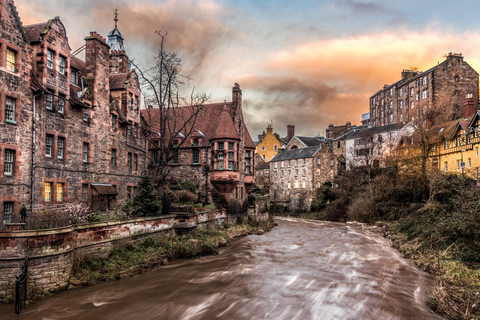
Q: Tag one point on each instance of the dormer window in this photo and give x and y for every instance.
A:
(175, 143)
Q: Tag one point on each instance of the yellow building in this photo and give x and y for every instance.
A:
(269, 144)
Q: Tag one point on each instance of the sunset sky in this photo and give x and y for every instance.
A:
(307, 63)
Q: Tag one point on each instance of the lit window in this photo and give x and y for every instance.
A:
(49, 103)
(332, 162)
(9, 110)
(297, 184)
(304, 184)
(113, 159)
(7, 212)
(9, 158)
(62, 62)
(50, 57)
(48, 191)
(60, 147)
(10, 60)
(48, 145)
(195, 156)
(59, 192)
(61, 104)
(85, 152)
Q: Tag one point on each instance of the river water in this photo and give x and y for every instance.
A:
(299, 270)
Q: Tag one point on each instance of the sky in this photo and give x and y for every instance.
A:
(304, 62)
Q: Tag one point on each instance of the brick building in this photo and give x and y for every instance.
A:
(444, 87)
(216, 152)
(68, 128)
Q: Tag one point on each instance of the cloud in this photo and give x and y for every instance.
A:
(369, 8)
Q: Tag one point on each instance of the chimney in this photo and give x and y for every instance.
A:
(348, 124)
(407, 74)
(269, 129)
(237, 97)
(468, 106)
(97, 66)
(290, 132)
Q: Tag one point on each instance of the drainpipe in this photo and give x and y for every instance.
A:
(32, 200)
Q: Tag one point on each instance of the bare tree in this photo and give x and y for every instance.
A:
(170, 117)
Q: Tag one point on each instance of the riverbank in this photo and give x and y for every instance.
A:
(129, 260)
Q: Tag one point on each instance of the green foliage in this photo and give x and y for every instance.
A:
(146, 202)
(325, 195)
(188, 186)
(95, 217)
(186, 197)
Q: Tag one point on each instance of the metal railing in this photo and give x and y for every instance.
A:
(21, 286)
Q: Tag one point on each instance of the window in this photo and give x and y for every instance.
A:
(412, 92)
(318, 161)
(129, 130)
(135, 130)
(281, 173)
(135, 161)
(380, 138)
(281, 185)
(304, 172)
(275, 165)
(85, 152)
(73, 76)
(9, 159)
(281, 164)
(220, 165)
(61, 104)
(424, 94)
(230, 156)
(446, 144)
(476, 152)
(195, 156)
(129, 193)
(391, 92)
(275, 148)
(391, 104)
(59, 192)
(174, 160)
(220, 146)
(289, 185)
(49, 103)
(297, 184)
(136, 104)
(230, 146)
(60, 147)
(263, 148)
(304, 184)
(446, 166)
(424, 81)
(50, 57)
(84, 191)
(392, 135)
(175, 143)
(10, 60)
(7, 212)
(401, 92)
(48, 145)
(391, 118)
(230, 165)
(62, 62)
(9, 110)
(401, 105)
(130, 101)
(129, 161)
(296, 162)
(263, 157)
(304, 161)
(48, 191)
(331, 163)
(114, 122)
(85, 114)
(113, 159)
(275, 174)
(412, 105)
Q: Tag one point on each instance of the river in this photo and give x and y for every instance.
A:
(299, 270)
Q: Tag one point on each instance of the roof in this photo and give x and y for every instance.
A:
(338, 130)
(296, 153)
(104, 188)
(35, 31)
(209, 121)
(368, 132)
(118, 80)
(310, 141)
(115, 40)
(262, 166)
(77, 63)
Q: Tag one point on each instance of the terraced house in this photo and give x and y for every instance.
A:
(68, 127)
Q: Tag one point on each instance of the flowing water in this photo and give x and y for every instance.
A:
(299, 270)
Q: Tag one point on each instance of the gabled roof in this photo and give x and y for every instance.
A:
(310, 141)
(474, 118)
(369, 132)
(296, 153)
(119, 80)
(77, 63)
(35, 31)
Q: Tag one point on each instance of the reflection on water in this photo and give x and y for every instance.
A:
(299, 270)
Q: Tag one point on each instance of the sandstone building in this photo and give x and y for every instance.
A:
(69, 129)
(442, 87)
(270, 143)
(217, 152)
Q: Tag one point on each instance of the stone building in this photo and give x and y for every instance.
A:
(216, 152)
(296, 173)
(442, 87)
(65, 136)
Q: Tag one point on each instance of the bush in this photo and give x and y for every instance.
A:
(146, 201)
(188, 186)
(185, 196)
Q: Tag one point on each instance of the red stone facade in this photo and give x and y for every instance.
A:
(218, 156)
(74, 122)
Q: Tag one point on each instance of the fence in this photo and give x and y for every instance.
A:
(21, 286)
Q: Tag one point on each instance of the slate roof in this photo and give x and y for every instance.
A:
(115, 40)
(262, 166)
(34, 31)
(209, 121)
(77, 63)
(368, 132)
(118, 80)
(296, 153)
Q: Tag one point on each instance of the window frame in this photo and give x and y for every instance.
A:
(50, 58)
(60, 196)
(9, 162)
(85, 148)
(10, 106)
(62, 64)
(60, 148)
(61, 104)
(49, 145)
(49, 193)
(8, 60)
(49, 101)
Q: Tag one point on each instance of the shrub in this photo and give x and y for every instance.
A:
(185, 196)
(187, 185)
(146, 200)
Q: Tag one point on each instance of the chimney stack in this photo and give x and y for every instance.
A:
(468, 106)
(290, 132)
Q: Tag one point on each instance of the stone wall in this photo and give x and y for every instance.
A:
(52, 252)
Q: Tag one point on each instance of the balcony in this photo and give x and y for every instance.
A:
(224, 177)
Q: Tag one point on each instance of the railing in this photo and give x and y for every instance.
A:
(21, 286)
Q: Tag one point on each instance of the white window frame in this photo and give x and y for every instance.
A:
(60, 147)
(49, 101)
(10, 109)
(50, 58)
(9, 162)
(61, 104)
(62, 64)
(48, 145)
(85, 147)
